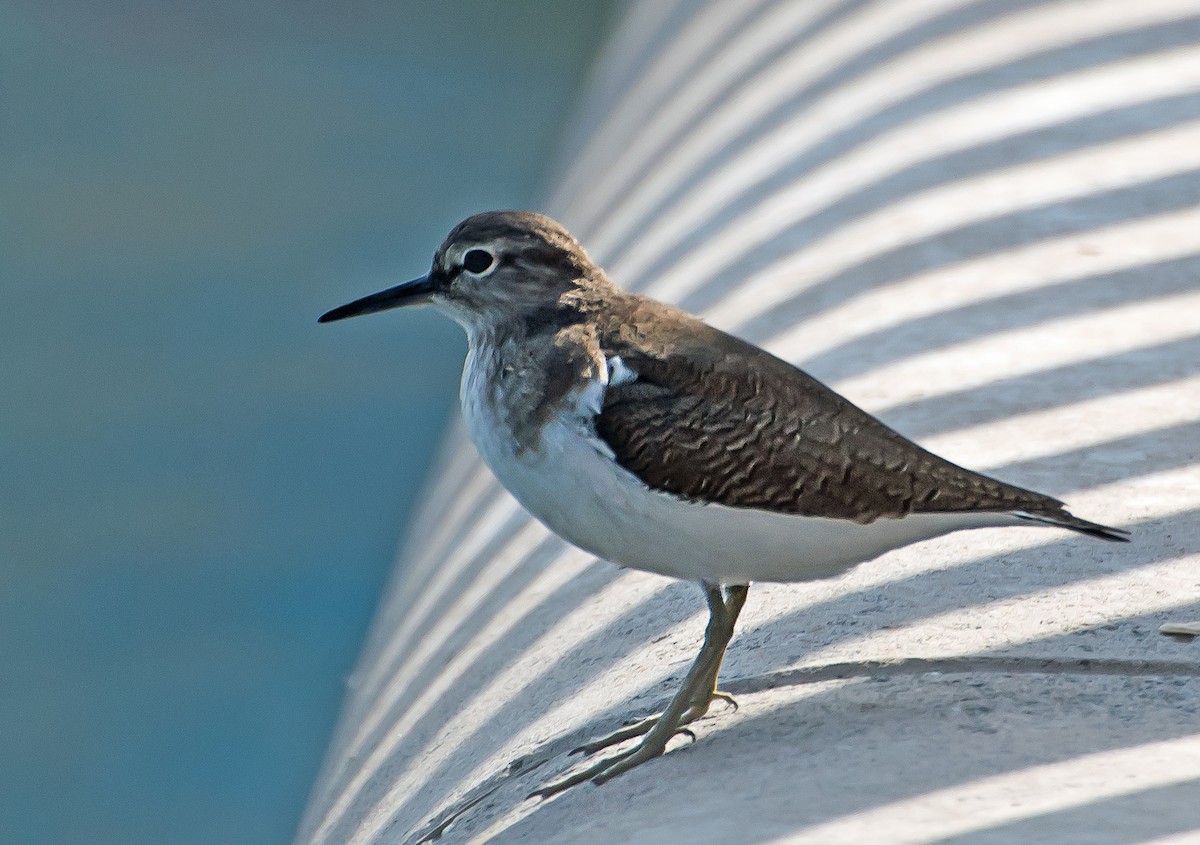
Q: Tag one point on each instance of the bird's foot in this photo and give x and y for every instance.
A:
(696, 711)
(653, 745)
(639, 728)
(656, 735)
(697, 694)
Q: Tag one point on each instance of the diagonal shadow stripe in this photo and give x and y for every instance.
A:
(1044, 66)
(1148, 452)
(422, 570)
(1170, 691)
(1046, 389)
(1142, 809)
(904, 602)
(666, 17)
(1040, 144)
(993, 235)
(617, 188)
(596, 652)
(426, 553)
(399, 655)
(453, 572)
(453, 469)
(876, 55)
(589, 147)
(1023, 309)
(386, 714)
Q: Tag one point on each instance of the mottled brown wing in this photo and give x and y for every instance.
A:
(711, 418)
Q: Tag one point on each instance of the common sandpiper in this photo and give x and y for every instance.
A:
(652, 440)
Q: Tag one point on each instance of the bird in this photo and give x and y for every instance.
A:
(655, 441)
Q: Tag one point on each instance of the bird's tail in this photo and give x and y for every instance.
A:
(1063, 519)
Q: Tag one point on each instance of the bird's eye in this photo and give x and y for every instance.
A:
(477, 260)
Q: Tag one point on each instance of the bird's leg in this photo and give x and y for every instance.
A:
(704, 689)
(735, 598)
(691, 702)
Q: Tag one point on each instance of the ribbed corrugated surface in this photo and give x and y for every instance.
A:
(980, 220)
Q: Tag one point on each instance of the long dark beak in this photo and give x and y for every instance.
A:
(409, 293)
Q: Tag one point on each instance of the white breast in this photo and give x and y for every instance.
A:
(571, 483)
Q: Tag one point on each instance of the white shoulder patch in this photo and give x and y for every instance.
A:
(618, 373)
(615, 374)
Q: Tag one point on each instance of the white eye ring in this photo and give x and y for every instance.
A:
(478, 262)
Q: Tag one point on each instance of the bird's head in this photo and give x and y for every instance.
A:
(493, 268)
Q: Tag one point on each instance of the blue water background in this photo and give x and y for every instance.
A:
(201, 491)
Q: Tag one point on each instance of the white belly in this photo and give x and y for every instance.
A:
(582, 495)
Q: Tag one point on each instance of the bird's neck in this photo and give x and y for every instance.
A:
(522, 373)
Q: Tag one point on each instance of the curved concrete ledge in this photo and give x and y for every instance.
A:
(976, 218)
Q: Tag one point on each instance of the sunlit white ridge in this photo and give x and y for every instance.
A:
(1024, 351)
(473, 541)
(575, 626)
(691, 99)
(1038, 266)
(991, 44)
(935, 211)
(701, 36)
(1090, 423)
(1013, 796)
(755, 98)
(988, 118)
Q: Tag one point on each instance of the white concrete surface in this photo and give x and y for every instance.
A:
(980, 220)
